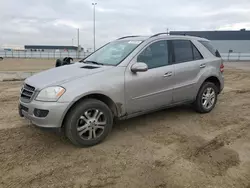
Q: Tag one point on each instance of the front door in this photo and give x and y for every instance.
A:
(154, 88)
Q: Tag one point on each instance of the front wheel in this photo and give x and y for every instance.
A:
(206, 98)
(88, 123)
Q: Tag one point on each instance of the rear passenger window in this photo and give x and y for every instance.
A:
(184, 51)
(155, 55)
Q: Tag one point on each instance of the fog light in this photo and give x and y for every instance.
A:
(40, 113)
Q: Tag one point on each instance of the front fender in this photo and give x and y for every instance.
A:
(119, 107)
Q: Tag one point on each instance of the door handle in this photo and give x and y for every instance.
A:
(168, 74)
(202, 65)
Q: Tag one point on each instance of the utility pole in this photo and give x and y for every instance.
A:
(78, 43)
(94, 4)
(167, 31)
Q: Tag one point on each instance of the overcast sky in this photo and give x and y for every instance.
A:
(55, 21)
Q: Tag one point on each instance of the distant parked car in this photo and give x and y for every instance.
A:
(1, 58)
(125, 78)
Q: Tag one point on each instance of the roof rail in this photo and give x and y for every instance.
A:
(128, 37)
(155, 35)
(184, 34)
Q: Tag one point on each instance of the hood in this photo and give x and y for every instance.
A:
(63, 74)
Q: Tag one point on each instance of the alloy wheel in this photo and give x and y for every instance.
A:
(91, 124)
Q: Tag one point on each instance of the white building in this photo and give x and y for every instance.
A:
(11, 47)
(234, 45)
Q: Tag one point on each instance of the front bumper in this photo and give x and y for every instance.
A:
(54, 117)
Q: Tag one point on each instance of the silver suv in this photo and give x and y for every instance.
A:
(128, 77)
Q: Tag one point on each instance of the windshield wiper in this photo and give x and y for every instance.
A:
(93, 62)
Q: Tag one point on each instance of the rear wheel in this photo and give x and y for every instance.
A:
(206, 98)
(89, 123)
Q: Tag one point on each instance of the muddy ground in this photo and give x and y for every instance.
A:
(171, 148)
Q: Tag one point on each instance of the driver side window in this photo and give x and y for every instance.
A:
(155, 55)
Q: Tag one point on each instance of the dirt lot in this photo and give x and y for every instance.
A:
(34, 65)
(172, 148)
(26, 64)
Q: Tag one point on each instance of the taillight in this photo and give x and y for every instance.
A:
(222, 67)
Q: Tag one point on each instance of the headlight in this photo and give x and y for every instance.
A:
(50, 94)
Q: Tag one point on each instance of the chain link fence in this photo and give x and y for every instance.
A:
(236, 56)
(55, 55)
(43, 55)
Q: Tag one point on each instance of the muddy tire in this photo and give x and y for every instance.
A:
(88, 123)
(206, 98)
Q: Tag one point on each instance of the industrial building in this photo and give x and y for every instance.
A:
(224, 41)
(46, 48)
(41, 48)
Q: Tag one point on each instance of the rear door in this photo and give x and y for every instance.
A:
(188, 62)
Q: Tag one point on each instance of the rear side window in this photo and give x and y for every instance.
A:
(209, 46)
(184, 51)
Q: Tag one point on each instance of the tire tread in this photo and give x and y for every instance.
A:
(197, 104)
(73, 115)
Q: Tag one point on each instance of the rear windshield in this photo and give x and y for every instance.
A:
(209, 46)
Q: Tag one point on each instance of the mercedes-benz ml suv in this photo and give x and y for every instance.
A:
(128, 77)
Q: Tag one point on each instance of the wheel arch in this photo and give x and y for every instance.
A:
(104, 98)
(212, 78)
(215, 80)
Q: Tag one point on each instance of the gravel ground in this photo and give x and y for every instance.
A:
(171, 148)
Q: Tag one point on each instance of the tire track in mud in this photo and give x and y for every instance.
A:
(223, 139)
(212, 157)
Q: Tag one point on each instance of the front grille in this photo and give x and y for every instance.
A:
(27, 92)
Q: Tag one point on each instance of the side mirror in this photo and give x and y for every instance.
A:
(139, 67)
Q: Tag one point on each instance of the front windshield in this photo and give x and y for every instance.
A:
(113, 53)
